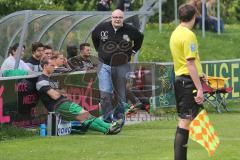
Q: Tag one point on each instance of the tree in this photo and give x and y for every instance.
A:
(7, 7)
(230, 10)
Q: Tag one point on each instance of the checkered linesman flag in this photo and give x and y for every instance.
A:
(202, 131)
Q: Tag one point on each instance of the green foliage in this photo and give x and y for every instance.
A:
(80, 5)
(7, 6)
(230, 10)
(89, 5)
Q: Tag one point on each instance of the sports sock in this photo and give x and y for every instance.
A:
(96, 124)
(102, 123)
(126, 107)
(180, 144)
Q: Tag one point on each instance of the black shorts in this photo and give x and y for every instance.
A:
(184, 88)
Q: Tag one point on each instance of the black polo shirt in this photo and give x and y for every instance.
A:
(43, 86)
(115, 47)
(34, 64)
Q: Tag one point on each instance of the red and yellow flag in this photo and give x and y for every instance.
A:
(202, 131)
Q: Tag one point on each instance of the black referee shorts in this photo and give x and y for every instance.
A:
(184, 88)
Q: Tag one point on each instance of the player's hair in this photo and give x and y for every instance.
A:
(45, 61)
(56, 54)
(48, 46)
(72, 51)
(82, 45)
(14, 48)
(36, 45)
(186, 12)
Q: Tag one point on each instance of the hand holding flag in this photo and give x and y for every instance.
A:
(202, 131)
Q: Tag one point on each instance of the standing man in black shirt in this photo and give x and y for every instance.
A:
(115, 43)
(68, 110)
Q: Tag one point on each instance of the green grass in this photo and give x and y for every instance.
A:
(10, 132)
(145, 141)
(212, 47)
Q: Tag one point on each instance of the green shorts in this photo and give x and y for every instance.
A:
(69, 110)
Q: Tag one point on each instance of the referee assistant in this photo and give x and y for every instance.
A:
(188, 70)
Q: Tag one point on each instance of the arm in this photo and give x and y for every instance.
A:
(7, 65)
(26, 67)
(95, 38)
(43, 87)
(138, 39)
(53, 94)
(196, 80)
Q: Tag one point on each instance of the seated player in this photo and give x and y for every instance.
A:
(55, 101)
(9, 62)
(84, 61)
(61, 65)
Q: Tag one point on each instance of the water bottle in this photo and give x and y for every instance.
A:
(42, 130)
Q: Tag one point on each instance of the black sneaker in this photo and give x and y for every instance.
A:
(115, 127)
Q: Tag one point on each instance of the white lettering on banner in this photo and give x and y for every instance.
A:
(235, 79)
(64, 129)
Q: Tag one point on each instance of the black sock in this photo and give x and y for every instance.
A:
(180, 144)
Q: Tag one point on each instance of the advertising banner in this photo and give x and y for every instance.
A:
(151, 83)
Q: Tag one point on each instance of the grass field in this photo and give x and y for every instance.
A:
(146, 141)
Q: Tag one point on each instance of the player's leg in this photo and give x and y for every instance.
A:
(119, 81)
(187, 109)
(181, 140)
(97, 124)
(72, 111)
(106, 91)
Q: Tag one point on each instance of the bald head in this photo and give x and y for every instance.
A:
(117, 18)
(117, 12)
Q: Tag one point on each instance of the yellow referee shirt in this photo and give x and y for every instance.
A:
(184, 45)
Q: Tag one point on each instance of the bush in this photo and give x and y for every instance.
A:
(230, 10)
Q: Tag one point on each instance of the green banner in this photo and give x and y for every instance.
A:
(227, 69)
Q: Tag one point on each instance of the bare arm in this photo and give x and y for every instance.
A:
(53, 94)
(196, 80)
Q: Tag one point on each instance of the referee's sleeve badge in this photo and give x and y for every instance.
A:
(193, 47)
